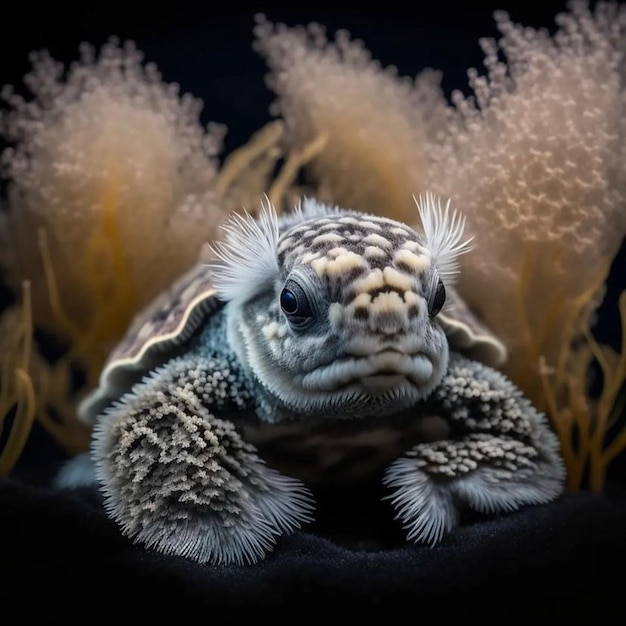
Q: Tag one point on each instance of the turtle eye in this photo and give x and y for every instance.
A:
(288, 302)
(295, 304)
(437, 299)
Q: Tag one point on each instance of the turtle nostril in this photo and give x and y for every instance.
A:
(413, 311)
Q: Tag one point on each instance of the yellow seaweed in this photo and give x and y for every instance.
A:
(559, 384)
(17, 396)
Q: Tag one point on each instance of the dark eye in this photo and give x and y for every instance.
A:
(437, 300)
(295, 304)
(288, 301)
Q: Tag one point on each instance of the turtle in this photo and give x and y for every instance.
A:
(319, 346)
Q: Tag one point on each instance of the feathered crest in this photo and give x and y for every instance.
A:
(308, 208)
(246, 259)
(443, 230)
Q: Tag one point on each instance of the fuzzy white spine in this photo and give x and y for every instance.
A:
(309, 208)
(246, 259)
(443, 230)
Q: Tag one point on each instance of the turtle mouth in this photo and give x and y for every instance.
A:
(375, 373)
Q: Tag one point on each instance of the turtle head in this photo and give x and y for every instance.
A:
(335, 311)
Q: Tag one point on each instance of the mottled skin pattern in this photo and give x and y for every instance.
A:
(204, 458)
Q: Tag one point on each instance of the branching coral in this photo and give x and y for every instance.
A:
(582, 423)
(378, 126)
(17, 397)
(32, 388)
(106, 157)
(538, 161)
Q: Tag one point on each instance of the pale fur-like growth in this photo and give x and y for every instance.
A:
(538, 157)
(309, 208)
(509, 458)
(378, 126)
(443, 230)
(306, 209)
(246, 260)
(115, 165)
(180, 480)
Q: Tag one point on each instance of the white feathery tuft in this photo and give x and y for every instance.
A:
(426, 509)
(443, 230)
(246, 259)
(309, 208)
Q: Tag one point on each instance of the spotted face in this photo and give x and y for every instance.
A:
(349, 324)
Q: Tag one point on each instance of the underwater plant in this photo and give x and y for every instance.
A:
(103, 156)
(538, 158)
(379, 126)
(106, 161)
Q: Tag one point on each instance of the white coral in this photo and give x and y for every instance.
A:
(115, 165)
(378, 126)
(537, 161)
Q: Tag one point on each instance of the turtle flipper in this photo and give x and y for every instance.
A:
(179, 480)
(500, 455)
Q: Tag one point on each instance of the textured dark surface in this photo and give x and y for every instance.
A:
(64, 561)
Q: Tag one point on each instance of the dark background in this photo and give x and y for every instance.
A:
(207, 49)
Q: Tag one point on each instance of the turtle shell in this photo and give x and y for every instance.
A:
(467, 333)
(165, 324)
(174, 316)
